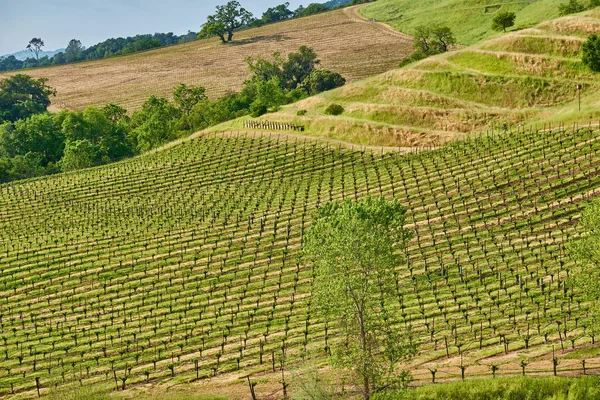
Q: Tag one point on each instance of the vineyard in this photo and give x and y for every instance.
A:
(181, 265)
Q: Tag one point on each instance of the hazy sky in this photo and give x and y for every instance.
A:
(92, 21)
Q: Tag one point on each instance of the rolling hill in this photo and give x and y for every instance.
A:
(526, 77)
(183, 263)
(344, 42)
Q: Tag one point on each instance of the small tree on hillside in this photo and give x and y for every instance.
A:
(226, 21)
(586, 252)
(442, 38)
(354, 249)
(35, 46)
(572, 7)
(503, 20)
(591, 53)
(186, 97)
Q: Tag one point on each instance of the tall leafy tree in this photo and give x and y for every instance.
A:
(155, 124)
(355, 250)
(227, 19)
(591, 53)
(186, 97)
(585, 249)
(74, 51)
(22, 96)
(35, 46)
(277, 13)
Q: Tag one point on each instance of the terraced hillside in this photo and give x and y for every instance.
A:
(345, 43)
(182, 264)
(522, 78)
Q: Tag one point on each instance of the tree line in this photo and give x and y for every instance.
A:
(35, 142)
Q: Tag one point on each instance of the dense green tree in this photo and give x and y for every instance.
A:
(269, 96)
(155, 124)
(311, 9)
(227, 19)
(186, 97)
(591, 53)
(74, 51)
(35, 46)
(322, 80)
(22, 96)
(442, 38)
(572, 7)
(355, 250)
(585, 249)
(299, 66)
(37, 135)
(277, 13)
(80, 154)
(503, 20)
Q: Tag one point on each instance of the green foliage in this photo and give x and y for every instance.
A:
(22, 96)
(155, 124)
(503, 20)
(269, 96)
(355, 250)
(311, 9)
(277, 13)
(80, 154)
(572, 7)
(227, 19)
(322, 80)
(186, 97)
(504, 389)
(334, 109)
(585, 249)
(35, 46)
(430, 40)
(300, 113)
(591, 53)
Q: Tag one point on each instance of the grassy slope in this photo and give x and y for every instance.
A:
(524, 77)
(346, 44)
(190, 254)
(470, 20)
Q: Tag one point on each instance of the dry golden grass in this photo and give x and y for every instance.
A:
(344, 42)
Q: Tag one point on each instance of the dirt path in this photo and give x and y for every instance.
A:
(354, 15)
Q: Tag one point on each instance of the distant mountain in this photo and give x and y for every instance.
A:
(336, 3)
(25, 54)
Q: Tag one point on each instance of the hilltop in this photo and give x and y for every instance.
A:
(470, 20)
(525, 77)
(344, 42)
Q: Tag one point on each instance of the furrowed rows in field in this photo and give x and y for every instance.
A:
(184, 262)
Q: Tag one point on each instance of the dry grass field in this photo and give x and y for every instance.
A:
(343, 41)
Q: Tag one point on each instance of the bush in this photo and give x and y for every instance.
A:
(503, 20)
(334, 109)
(301, 112)
(572, 7)
(322, 80)
(591, 53)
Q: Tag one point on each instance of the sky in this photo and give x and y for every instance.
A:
(92, 21)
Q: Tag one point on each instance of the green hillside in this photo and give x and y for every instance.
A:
(470, 20)
(527, 77)
(189, 254)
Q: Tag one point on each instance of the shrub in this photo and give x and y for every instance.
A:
(301, 112)
(334, 109)
(503, 20)
(591, 53)
(572, 7)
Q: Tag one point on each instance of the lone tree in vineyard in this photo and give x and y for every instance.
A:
(226, 21)
(355, 250)
(586, 251)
